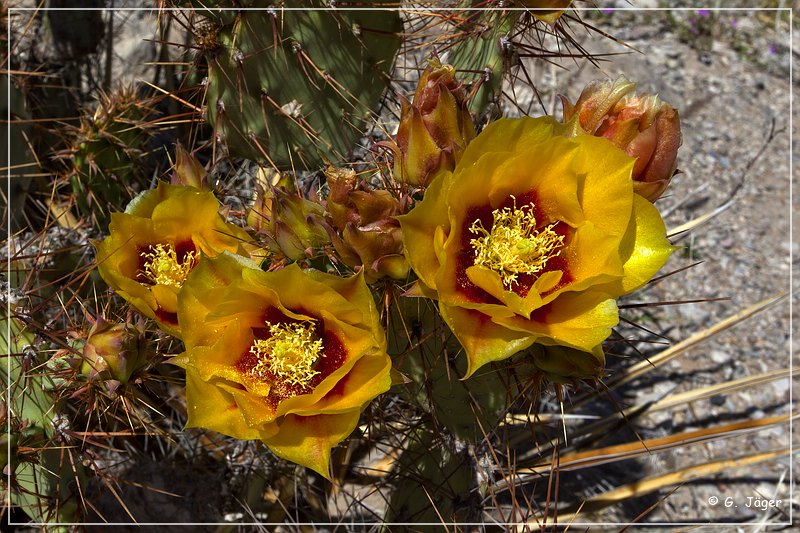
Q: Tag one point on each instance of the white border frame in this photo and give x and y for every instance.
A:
(7, 502)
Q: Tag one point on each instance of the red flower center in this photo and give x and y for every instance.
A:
(516, 241)
(293, 356)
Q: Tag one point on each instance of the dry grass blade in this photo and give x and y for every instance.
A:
(721, 388)
(601, 426)
(620, 452)
(698, 221)
(655, 483)
(547, 418)
(643, 367)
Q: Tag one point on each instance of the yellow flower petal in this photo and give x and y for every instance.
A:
(531, 238)
(308, 440)
(299, 353)
(213, 408)
(482, 339)
(579, 320)
(419, 226)
(649, 247)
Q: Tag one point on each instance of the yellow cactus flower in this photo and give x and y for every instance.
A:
(531, 239)
(157, 241)
(287, 357)
(546, 10)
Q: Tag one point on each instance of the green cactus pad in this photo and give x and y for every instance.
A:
(466, 407)
(485, 54)
(43, 488)
(296, 88)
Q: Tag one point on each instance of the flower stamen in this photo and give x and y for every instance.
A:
(288, 354)
(163, 267)
(514, 245)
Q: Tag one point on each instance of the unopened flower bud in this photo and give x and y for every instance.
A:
(642, 125)
(188, 170)
(363, 228)
(434, 128)
(113, 350)
(296, 225)
(267, 180)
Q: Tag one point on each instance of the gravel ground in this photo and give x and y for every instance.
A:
(728, 75)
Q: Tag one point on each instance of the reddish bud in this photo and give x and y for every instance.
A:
(434, 129)
(363, 228)
(643, 126)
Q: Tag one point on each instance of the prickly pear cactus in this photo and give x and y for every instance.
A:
(295, 88)
(44, 482)
(19, 156)
(432, 368)
(105, 150)
(485, 52)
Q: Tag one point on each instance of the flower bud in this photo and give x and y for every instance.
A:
(188, 171)
(369, 236)
(113, 350)
(434, 129)
(643, 126)
(295, 225)
(267, 180)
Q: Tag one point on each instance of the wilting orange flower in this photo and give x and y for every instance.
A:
(530, 240)
(287, 357)
(363, 227)
(155, 243)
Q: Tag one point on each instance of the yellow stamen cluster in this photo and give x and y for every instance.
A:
(289, 353)
(514, 246)
(164, 268)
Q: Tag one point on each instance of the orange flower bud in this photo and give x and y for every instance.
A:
(643, 126)
(434, 129)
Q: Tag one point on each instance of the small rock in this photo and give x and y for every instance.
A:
(718, 400)
(719, 357)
